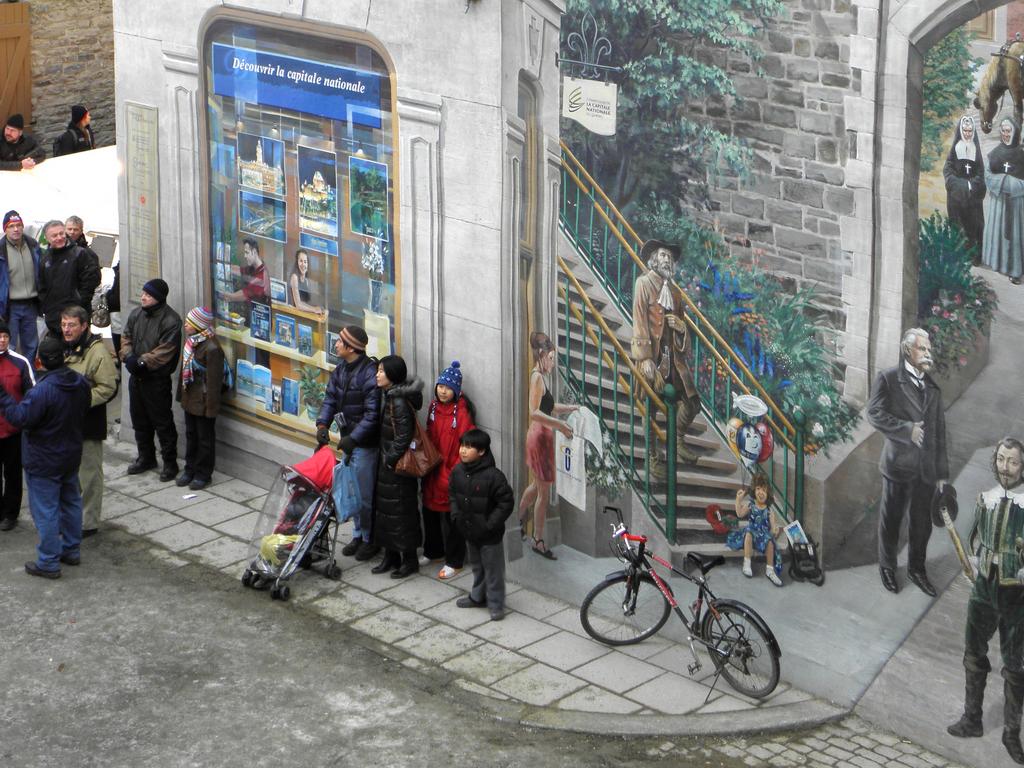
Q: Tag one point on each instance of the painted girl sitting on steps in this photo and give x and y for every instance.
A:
(754, 505)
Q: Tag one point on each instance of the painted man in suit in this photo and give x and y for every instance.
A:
(906, 407)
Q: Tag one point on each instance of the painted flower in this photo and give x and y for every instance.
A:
(817, 430)
(962, 360)
(823, 401)
(936, 309)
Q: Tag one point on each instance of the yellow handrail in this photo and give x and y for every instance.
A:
(694, 310)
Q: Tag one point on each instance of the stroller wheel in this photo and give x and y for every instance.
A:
(333, 571)
(283, 592)
(248, 578)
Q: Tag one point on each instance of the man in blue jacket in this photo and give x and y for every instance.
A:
(50, 416)
(353, 401)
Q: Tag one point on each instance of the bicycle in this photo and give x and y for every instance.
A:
(632, 604)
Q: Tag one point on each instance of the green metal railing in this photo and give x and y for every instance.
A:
(610, 246)
(601, 375)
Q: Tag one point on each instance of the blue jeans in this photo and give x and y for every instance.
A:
(364, 460)
(56, 505)
(24, 335)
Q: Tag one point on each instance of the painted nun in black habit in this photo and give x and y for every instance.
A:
(964, 173)
(1003, 248)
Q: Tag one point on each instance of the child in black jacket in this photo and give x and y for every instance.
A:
(481, 501)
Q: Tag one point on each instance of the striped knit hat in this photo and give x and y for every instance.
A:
(200, 318)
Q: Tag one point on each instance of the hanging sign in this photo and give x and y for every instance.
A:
(591, 103)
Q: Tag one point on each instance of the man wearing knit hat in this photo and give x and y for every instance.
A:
(68, 275)
(150, 345)
(79, 136)
(86, 353)
(51, 415)
(353, 402)
(19, 150)
(19, 284)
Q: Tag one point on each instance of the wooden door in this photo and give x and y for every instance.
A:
(15, 61)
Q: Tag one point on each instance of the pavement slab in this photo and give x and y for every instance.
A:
(242, 527)
(566, 651)
(539, 685)
(348, 605)
(514, 632)
(419, 593)
(438, 643)
(116, 504)
(212, 510)
(534, 604)
(617, 672)
(146, 520)
(174, 498)
(184, 535)
(460, 618)
(594, 699)
(487, 663)
(237, 490)
(671, 694)
(219, 552)
(392, 624)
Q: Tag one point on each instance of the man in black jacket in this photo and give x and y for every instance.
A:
(481, 501)
(19, 150)
(67, 276)
(906, 407)
(150, 346)
(78, 137)
(353, 401)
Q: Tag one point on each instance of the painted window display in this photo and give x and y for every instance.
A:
(284, 112)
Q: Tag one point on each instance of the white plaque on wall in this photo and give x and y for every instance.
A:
(591, 103)
(142, 181)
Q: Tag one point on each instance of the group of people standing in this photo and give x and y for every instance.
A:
(996, 237)
(19, 150)
(466, 498)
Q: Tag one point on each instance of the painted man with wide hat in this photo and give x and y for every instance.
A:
(661, 339)
(997, 599)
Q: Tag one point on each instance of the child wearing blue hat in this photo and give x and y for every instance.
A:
(451, 415)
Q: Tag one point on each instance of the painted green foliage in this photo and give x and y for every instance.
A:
(948, 79)
(659, 151)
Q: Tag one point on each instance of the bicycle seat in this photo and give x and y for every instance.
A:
(704, 562)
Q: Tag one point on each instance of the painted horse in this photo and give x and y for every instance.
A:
(1005, 73)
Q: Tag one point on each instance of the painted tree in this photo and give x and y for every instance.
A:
(946, 85)
(670, 52)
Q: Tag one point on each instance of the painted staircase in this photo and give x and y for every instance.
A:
(598, 262)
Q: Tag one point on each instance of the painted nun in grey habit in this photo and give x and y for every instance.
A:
(1004, 221)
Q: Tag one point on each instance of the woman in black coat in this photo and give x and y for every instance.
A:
(396, 522)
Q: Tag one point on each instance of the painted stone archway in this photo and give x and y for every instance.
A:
(894, 36)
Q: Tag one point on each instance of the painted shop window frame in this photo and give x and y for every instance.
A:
(299, 147)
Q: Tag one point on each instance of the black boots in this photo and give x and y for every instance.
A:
(391, 561)
(410, 565)
(969, 725)
(1012, 695)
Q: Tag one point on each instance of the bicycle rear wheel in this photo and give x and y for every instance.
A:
(623, 610)
(741, 649)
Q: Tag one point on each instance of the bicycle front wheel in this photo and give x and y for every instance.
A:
(741, 649)
(623, 610)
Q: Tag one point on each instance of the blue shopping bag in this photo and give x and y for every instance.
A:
(345, 491)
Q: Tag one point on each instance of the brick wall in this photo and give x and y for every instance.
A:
(788, 214)
(72, 63)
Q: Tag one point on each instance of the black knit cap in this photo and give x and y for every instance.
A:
(77, 113)
(157, 288)
(51, 352)
(394, 368)
(16, 121)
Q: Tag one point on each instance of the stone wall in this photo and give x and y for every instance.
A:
(72, 63)
(788, 216)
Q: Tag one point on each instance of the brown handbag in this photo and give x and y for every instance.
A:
(421, 456)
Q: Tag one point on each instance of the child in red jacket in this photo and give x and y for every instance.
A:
(451, 415)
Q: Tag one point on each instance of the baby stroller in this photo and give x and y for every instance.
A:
(297, 527)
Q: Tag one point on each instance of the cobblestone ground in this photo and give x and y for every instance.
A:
(851, 742)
